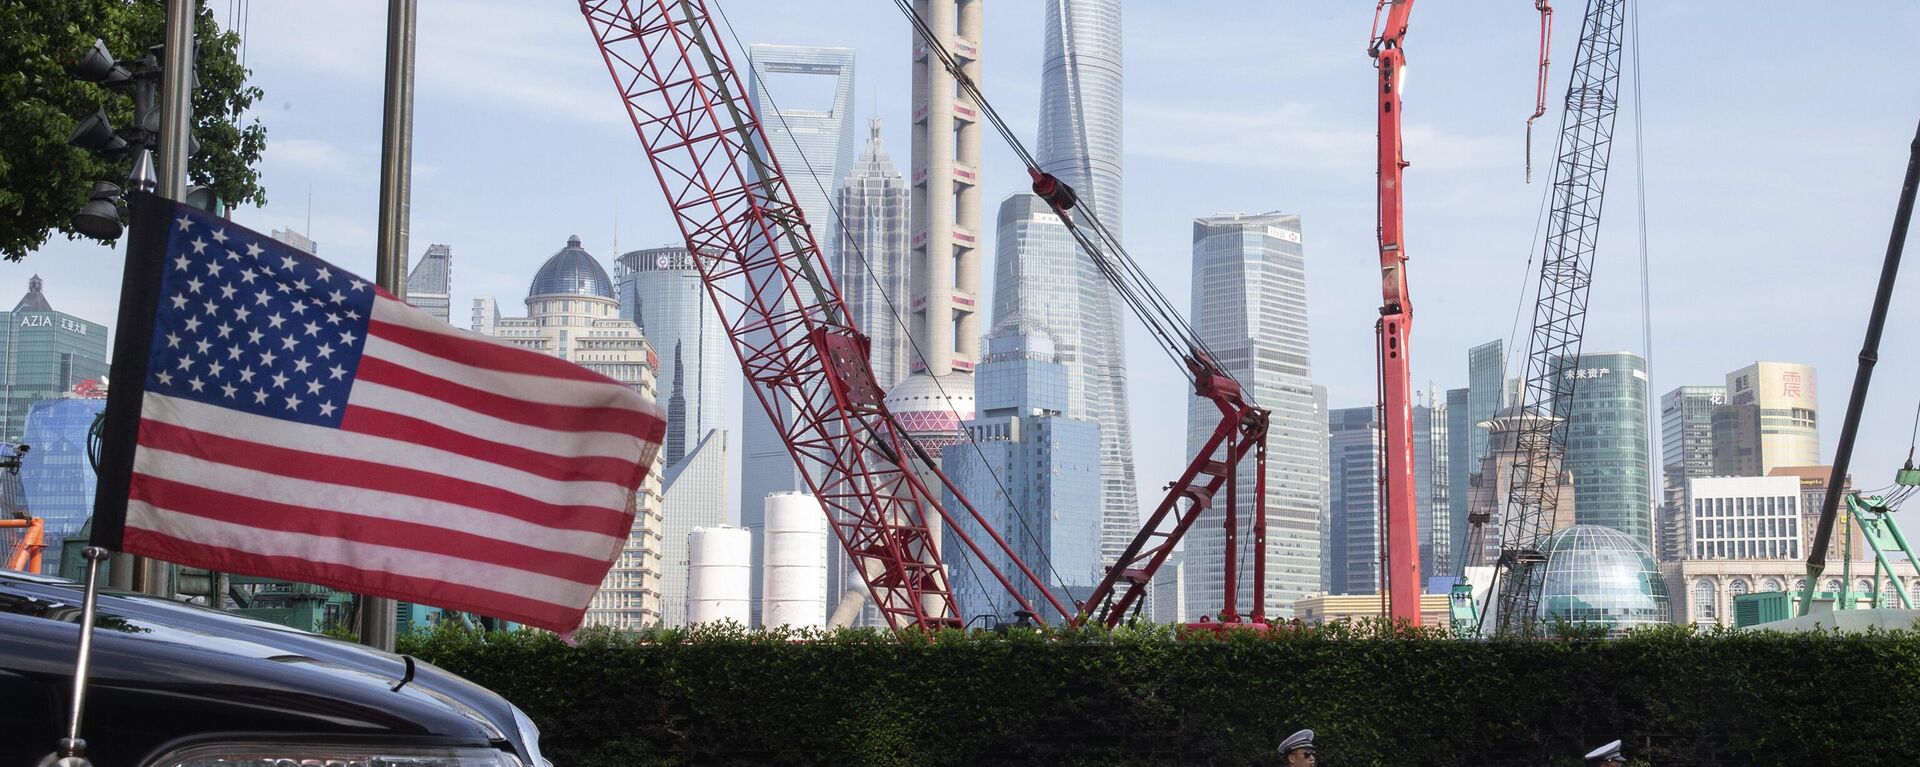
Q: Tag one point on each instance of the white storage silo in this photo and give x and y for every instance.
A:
(795, 591)
(718, 573)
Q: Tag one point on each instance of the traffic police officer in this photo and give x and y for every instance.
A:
(1606, 755)
(1297, 750)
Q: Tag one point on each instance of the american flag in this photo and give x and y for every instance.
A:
(295, 421)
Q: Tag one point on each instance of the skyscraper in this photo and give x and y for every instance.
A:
(43, 353)
(1353, 471)
(1249, 306)
(693, 495)
(1032, 471)
(1486, 395)
(1039, 272)
(1770, 420)
(1432, 484)
(873, 265)
(57, 478)
(430, 285)
(1460, 469)
(572, 314)
(1686, 452)
(660, 290)
(297, 240)
(1608, 449)
(813, 140)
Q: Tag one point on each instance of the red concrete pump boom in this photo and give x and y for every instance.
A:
(1395, 326)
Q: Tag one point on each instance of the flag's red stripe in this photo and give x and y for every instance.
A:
(479, 353)
(536, 414)
(380, 423)
(368, 475)
(379, 583)
(267, 515)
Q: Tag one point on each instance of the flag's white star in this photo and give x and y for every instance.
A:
(194, 284)
(293, 401)
(333, 319)
(288, 342)
(324, 273)
(233, 352)
(213, 268)
(196, 383)
(179, 301)
(358, 286)
(299, 307)
(263, 298)
(347, 337)
(247, 275)
(199, 246)
(253, 249)
(336, 296)
(186, 363)
(203, 345)
(228, 389)
(186, 223)
(165, 378)
(192, 324)
(282, 287)
(180, 263)
(246, 375)
(353, 315)
(300, 285)
(259, 397)
(211, 307)
(313, 328)
(214, 368)
(301, 365)
(313, 387)
(325, 351)
(279, 381)
(220, 236)
(336, 372)
(227, 291)
(267, 358)
(241, 313)
(287, 262)
(173, 341)
(233, 255)
(254, 336)
(327, 408)
(224, 330)
(275, 320)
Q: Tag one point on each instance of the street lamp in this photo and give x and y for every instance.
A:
(100, 217)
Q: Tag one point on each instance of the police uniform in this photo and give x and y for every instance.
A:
(1297, 741)
(1607, 754)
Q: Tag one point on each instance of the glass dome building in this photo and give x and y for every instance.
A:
(1599, 575)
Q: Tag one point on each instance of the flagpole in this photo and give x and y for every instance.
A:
(390, 262)
(73, 748)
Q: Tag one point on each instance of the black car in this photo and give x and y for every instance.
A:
(175, 685)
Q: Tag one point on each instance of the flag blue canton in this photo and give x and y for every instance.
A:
(251, 324)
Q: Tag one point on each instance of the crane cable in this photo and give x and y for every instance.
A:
(894, 310)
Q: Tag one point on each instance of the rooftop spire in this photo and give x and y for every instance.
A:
(33, 301)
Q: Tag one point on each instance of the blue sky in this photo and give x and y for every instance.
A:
(1775, 138)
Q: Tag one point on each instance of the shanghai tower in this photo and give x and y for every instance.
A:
(1042, 279)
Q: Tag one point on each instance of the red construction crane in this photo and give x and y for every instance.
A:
(1395, 326)
(765, 275)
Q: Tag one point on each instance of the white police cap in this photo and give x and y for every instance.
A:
(1298, 740)
(1607, 753)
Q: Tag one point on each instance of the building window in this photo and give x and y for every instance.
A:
(1704, 600)
(1770, 584)
(1738, 587)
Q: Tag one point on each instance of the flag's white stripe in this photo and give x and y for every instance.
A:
(361, 502)
(398, 560)
(521, 386)
(564, 444)
(337, 443)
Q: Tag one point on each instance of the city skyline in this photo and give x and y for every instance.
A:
(1680, 359)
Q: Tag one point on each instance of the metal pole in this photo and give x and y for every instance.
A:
(1869, 354)
(176, 99)
(73, 750)
(390, 262)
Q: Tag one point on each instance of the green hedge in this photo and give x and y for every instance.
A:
(1147, 697)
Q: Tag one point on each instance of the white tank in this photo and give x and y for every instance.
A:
(795, 591)
(718, 573)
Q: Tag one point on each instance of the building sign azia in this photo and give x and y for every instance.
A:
(47, 321)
